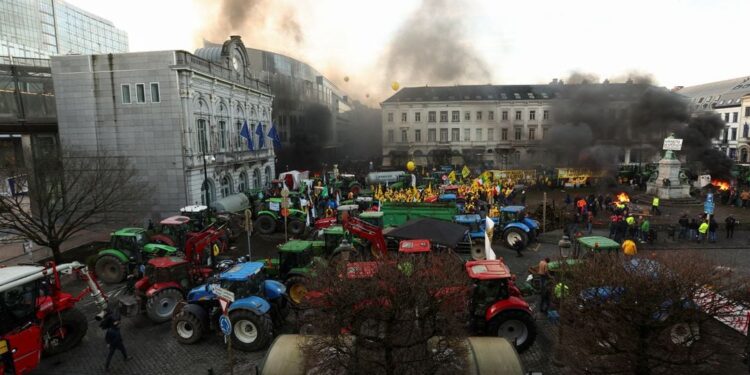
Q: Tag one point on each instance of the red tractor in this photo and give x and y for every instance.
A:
(37, 318)
(171, 231)
(166, 280)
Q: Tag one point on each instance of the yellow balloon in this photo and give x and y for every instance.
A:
(394, 86)
(411, 166)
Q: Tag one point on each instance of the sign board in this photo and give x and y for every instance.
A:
(284, 212)
(273, 206)
(248, 220)
(710, 197)
(673, 144)
(223, 293)
(704, 180)
(225, 324)
(708, 206)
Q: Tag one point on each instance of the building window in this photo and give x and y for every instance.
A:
(467, 116)
(404, 136)
(478, 133)
(491, 115)
(517, 134)
(239, 139)
(545, 115)
(417, 135)
(467, 135)
(140, 92)
(226, 187)
(417, 116)
(202, 139)
(747, 111)
(390, 116)
(431, 116)
(243, 183)
(455, 116)
(518, 115)
(126, 94)
(505, 115)
(155, 98)
(443, 135)
(455, 135)
(745, 130)
(734, 116)
(431, 135)
(443, 116)
(403, 116)
(734, 134)
(256, 179)
(532, 115)
(726, 117)
(390, 135)
(504, 134)
(532, 134)
(479, 115)
(491, 134)
(223, 135)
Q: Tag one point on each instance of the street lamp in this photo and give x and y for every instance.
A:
(205, 176)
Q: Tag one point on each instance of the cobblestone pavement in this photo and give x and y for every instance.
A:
(156, 352)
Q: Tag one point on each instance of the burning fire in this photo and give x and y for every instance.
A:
(623, 198)
(722, 185)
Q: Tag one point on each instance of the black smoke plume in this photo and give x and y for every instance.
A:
(696, 144)
(237, 16)
(432, 47)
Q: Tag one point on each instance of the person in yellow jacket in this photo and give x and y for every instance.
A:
(629, 248)
(655, 206)
(702, 231)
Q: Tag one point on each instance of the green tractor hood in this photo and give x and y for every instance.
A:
(153, 248)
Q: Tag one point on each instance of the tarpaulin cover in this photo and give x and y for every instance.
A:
(437, 231)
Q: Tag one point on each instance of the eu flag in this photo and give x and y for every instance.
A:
(245, 133)
(261, 135)
(274, 135)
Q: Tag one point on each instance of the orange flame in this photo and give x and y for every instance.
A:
(623, 198)
(722, 185)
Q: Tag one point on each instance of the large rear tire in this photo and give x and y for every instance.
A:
(514, 235)
(109, 269)
(265, 224)
(296, 227)
(250, 332)
(516, 326)
(296, 287)
(62, 332)
(187, 327)
(161, 305)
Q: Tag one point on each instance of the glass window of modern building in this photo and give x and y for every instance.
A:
(38, 29)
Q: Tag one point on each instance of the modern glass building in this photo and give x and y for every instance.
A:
(43, 28)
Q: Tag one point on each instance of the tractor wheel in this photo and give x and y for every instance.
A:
(478, 252)
(516, 326)
(265, 224)
(109, 269)
(250, 331)
(296, 287)
(62, 332)
(515, 237)
(187, 328)
(355, 189)
(296, 227)
(160, 306)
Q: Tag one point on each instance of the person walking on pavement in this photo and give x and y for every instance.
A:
(702, 231)
(655, 206)
(713, 226)
(629, 248)
(589, 222)
(684, 224)
(543, 271)
(645, 227)
(730, 223)
(113, 338)
(693, 229)
(630, 220)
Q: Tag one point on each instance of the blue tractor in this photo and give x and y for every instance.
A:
(514, 228)
(255, 305)
(475, 224)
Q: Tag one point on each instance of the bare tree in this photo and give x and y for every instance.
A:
(402, 316)
(69, 194)
(647, 315)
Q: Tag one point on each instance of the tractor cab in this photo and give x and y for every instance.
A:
(199, 215)
(373, 217)
(509, 214)
(414, 247)
(172, 231)
(130, 241)
(168, 269)
(492, 282)
(294, 254)
(473, 222)
(244, 280)
(332, 237)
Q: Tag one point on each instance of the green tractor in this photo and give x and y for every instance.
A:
(128, 249)
(269, 219)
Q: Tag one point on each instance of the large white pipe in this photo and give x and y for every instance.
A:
(35, 273)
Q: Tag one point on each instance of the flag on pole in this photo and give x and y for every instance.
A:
(261, 135)
(488, 228)
(245, 133)
(452, 176)
(274, 135)
(465, 172)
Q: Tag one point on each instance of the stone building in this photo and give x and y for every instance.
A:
(177, 116)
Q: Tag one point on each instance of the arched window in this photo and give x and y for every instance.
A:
(267, 175)
(239, 119)
(223, 118)
(226, 186)
(208, 192)
(201, 127)
(256, 179)
(743, 155)
(243, 182)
